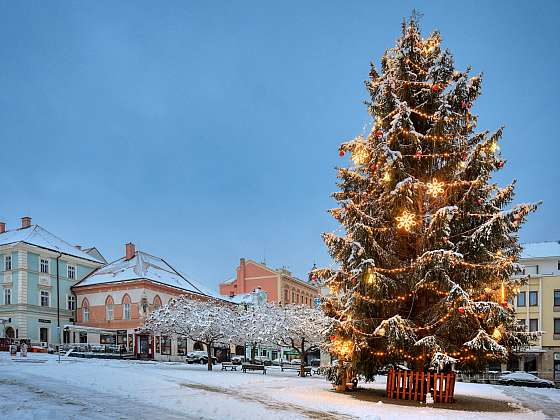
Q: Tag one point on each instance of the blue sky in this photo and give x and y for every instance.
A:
(208, 131)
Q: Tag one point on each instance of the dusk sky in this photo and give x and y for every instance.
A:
(208, 131)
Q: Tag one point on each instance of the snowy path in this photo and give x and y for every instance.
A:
(21, 399)
(95, 389)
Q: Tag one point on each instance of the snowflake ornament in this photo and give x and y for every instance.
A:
(435, 187)
(406, 220)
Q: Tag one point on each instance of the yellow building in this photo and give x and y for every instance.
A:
(538, 307)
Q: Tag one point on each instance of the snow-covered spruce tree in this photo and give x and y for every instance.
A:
(207, 321)
(428, 246)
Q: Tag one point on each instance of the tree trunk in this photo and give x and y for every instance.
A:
(253, 352)
(209, 354)
(302, 355)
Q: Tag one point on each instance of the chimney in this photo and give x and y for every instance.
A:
(25, 222)
(130, 251)
(2, 227)
(241, 276)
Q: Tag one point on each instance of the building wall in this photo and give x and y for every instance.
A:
(251, 275)
(97, 296)
(26, 313)
(544, 283)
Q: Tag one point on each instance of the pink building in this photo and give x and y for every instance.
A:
(279, 284)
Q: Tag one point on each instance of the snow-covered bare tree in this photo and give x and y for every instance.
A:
(209, 322)
(299, 327)
(255, 327)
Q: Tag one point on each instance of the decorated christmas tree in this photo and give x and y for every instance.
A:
(427, 244)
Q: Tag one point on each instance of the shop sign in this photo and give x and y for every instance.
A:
(44, 321)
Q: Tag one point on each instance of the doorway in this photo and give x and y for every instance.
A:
(44, 335)
(144, 346)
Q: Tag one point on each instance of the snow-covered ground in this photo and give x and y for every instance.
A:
(87, 388)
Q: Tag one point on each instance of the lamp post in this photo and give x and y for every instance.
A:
(58, 303)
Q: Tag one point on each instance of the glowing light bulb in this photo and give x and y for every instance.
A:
(360, 155)
(497, 334)
(370, 277)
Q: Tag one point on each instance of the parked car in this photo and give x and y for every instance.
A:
(237, 360)
(295, 361)
(524, 379)
(263, 360)
(278, 361)
(199, 357)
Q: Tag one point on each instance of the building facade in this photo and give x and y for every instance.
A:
(537, 305)
(114, 301)
(37, 271)
(278, 284)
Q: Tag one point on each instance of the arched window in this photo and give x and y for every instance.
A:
(198, 346)
(85, 310)
(157, 302)
(126, 306)
(109, 316)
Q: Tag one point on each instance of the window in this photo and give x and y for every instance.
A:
(558, 266)
(71, 272)
(44, 298)
(85, 313)
(165, 345)
(71, 303)
(533, 324)
(286, 296)
(556, 325)
(44, 266)
(126, 311)
(521, 299)
(8, 262)
(181, 346)
(7, 296)
(83, 337)
(557, 298)
(157, 302)
(522, 322)
(109, 312)
(533, 298)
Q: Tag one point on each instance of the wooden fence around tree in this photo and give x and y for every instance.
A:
(411, 385)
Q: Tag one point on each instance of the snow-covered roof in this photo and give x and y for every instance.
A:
(38, 236)
(541, 250)
(256, 297)
(142, 266)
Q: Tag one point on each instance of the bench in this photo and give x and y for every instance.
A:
(287, 366)
(247, 367)
(230, 365)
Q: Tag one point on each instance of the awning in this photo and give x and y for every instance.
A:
(529, 351)
(83, 328)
